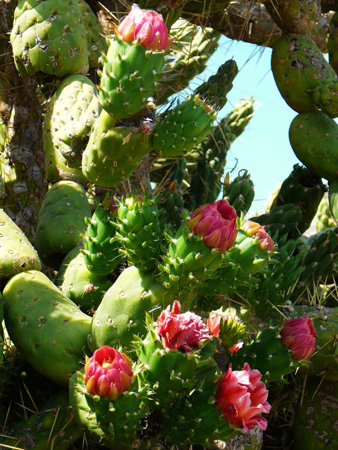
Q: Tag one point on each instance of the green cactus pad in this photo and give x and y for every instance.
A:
(128, 77)
(68, 122)
(49, 330)
(61, 221)
(49, 37)
(298, 67)
(121, 314)
(314, 139)
(16, 252)
(113, 153)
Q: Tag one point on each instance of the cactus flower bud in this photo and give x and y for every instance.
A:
(299, 336)
(255, 230)
(241, 398)
(217, 223)
(108, 373)
(147, 26)
(181, 331)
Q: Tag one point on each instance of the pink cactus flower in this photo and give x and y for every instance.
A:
(108, 373)
(241, 397)
(147, 26)
(217, 223)
(181, 331)
(255, 230)
(299, 336)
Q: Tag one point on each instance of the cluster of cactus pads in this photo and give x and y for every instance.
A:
(143, 304)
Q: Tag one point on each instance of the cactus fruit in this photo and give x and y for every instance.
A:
(298, 67)
(69, 119)
(107, 399)
(49, 38)
(61, 221)
(51, 331)
(133, 63)
(16, 252)
(313, 139)
(177, 354)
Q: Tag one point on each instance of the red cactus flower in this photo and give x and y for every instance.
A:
(299, 336)
(147, 26)
(181, 331)
(255, 230)
(108, 373)
(241, 397)
(217, 223)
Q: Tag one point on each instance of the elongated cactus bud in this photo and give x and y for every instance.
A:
(240, 192)
(182, 128)
(100, 246)
(140, 230)
(215, 90)
(281, 219)
(302, 188)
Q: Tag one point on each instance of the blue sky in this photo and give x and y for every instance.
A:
(263, 149)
